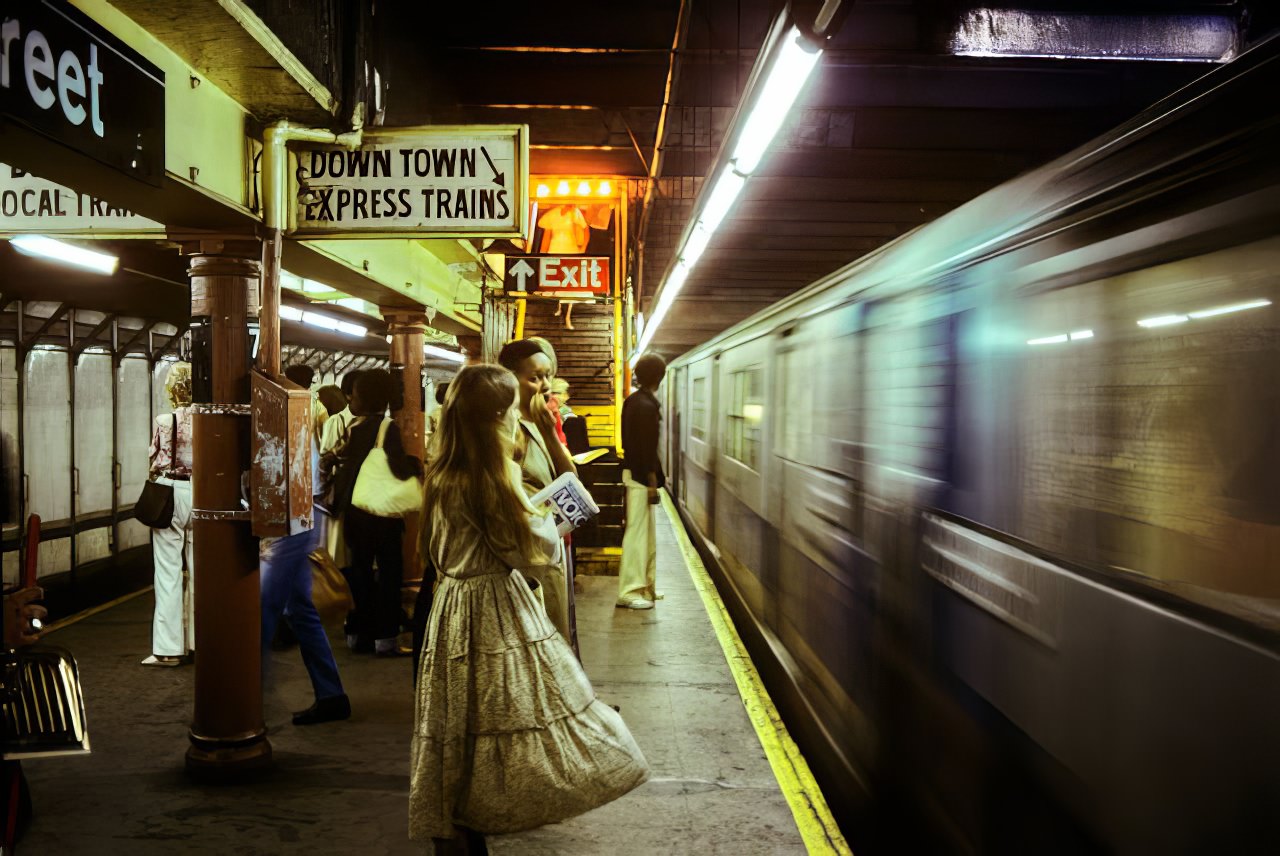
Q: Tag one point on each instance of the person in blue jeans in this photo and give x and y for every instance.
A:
(285, 581)
(286, 591)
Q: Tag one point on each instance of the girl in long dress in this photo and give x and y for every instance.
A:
(508, 734)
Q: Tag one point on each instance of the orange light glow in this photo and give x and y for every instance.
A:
(543, 190)
(584, 188)
(605, 188)
(562, 189)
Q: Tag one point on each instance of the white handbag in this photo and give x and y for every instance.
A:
(378, 491)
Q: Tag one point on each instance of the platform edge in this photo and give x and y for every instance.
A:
(809, 808)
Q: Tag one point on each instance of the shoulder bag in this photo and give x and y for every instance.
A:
(378, 491)
(154, 507)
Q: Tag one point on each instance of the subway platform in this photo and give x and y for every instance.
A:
(725, 778)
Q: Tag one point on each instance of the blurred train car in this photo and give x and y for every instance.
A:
(998, 506)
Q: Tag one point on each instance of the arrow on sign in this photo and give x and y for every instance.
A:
(499, 178)
(521, 270)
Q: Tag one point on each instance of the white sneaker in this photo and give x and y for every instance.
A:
(635, 603)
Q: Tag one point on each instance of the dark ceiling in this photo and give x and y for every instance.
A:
(892, 132)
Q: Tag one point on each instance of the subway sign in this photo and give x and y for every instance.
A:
(65, 77)
(562, 276)
(426, 182)
(32, 204)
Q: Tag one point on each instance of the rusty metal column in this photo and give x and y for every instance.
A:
(228, 735)
(407, 328)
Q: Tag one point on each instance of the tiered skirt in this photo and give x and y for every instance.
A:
(508, 734)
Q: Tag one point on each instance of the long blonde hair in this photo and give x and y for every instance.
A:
(470, 461)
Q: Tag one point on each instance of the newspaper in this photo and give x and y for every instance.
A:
(568, 500)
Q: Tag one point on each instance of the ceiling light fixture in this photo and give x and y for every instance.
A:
(786, 63)
(59, 251)
(442, 353)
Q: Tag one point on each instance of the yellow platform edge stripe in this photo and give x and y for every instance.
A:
(813, 818)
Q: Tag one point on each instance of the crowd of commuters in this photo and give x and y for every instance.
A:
(508, 732)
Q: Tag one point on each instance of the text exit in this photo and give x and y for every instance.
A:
(571, 274)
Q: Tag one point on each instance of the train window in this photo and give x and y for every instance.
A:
(746, 413)
(698, 408)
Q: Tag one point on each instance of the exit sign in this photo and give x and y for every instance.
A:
(563, 275)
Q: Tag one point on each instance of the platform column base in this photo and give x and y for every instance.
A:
(228, 761)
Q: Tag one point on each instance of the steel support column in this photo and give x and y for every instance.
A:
(407, 329)
(228, 735)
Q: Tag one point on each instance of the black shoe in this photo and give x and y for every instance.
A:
(329, 709)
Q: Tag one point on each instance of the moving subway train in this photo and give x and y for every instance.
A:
(998, 506)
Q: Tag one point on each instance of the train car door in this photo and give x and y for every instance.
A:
(698, 471)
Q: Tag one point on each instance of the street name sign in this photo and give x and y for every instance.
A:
(427, 182)
(563, 275)
(65, 77)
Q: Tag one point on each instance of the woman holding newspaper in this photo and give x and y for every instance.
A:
(508, 734)
(542, 457)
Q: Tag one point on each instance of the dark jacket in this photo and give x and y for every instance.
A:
(641, 417)
(361, 438)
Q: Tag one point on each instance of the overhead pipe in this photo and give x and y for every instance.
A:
(275, 183)
(655, 163)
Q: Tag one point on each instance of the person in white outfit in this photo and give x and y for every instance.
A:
(173, 627)
(642, 476)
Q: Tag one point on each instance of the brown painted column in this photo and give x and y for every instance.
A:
(228, 736)
(407, 328)
(473, 349)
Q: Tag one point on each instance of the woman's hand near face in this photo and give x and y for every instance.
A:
(541, 416)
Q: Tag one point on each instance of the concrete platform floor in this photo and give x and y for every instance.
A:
(342, 787)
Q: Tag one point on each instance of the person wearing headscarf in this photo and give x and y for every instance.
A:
(542, 457)
(173, 626)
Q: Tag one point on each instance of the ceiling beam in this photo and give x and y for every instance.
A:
(58, 314)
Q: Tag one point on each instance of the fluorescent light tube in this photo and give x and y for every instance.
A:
(58, 251)
(693, 248)
(1081, 334)
(721, 199)
(321, 321)
(1048, 340)
(442, 353)
(352, 329)
(675, 282)
(791, 68)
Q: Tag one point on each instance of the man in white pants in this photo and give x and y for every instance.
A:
(642, 476)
